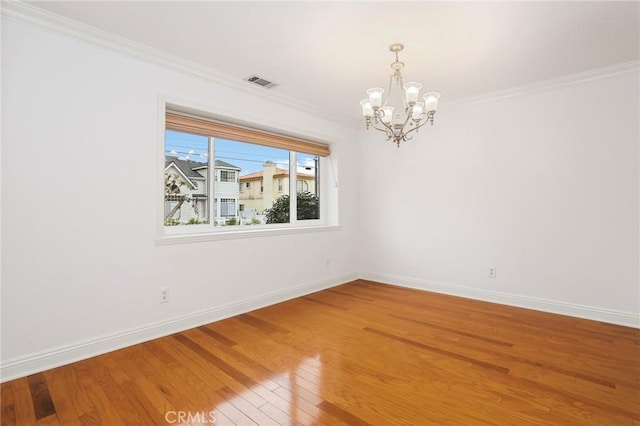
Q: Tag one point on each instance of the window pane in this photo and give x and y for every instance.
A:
(308, 186)
(227, 176)
(257, 171)
(186, 159)
(228, 207)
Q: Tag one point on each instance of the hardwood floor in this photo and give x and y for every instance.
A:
(361, 353)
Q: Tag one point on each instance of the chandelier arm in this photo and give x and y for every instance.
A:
(406, 136)
(388, 131)
(387, 127)
(429, 119)
(407, 112)
(383, 129)
(413, 129)
(400, 136)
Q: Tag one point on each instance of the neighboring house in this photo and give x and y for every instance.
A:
(259, 190)
(194, 176)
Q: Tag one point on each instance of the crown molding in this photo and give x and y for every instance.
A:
(553, 83)
(23, 12)
(26, 13)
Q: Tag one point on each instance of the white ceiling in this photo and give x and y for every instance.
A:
(328, 53)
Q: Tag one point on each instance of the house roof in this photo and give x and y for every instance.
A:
(278, 173)
(224, 164)
(189, 167)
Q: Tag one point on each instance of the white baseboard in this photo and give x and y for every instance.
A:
(34, 363)
(570, 309)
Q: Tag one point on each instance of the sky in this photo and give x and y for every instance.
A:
(249, 157)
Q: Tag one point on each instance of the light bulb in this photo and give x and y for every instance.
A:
(387, 114)
(367, 109)
(431, 101)
(412, 92)
(375, 96)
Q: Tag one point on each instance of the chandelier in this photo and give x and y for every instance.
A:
(401, 113)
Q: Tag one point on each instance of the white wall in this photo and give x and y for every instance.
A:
(80, 274)
(543, 185)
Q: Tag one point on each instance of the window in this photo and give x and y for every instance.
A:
(227, 207)
(185, 201)
(302, 185)
(307, 186)
(227, 176)
(224, 160)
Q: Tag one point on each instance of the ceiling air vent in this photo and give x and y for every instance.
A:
(260, 81)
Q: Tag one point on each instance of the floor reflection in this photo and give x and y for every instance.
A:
(287, 398)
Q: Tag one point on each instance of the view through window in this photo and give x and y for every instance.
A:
(228, 183)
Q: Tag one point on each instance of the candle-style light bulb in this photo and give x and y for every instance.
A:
(431, 101)
(367, 109)
(387, 115)
(417, 110)
(412, 92)
(375, 96)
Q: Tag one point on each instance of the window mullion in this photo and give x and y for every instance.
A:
(212, 181)
(293, 193)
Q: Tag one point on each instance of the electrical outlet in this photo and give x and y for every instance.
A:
(327, 263)
(164, 295)
(492, 272)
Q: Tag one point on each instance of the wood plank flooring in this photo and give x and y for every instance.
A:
(361, 353)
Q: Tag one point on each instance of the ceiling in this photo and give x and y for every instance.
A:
(328, 53)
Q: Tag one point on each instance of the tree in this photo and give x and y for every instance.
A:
(307, 208)
(172, 192)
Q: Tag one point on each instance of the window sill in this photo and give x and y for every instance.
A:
(233, 235)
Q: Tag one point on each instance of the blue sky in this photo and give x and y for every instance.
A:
(248, 157)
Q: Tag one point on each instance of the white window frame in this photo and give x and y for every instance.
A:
(209, 232)
(235, 207)
(235, 176)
